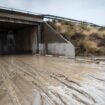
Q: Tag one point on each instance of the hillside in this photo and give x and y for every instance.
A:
(87, 39)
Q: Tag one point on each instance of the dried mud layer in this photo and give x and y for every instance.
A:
(43, 80)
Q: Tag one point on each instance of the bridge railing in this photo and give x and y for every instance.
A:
(68, 19)
(47, 16)
(19, 10)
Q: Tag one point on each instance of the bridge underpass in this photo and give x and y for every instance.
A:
(22, 32)
(19, 32)
(17, 38)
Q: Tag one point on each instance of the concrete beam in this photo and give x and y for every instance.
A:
(17, 21)
(20, 17)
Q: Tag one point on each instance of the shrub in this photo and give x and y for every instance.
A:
(102, 28)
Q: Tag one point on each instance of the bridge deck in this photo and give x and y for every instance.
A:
(39, 80)
(21, 17)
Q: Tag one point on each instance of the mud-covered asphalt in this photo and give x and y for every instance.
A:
(43, 80)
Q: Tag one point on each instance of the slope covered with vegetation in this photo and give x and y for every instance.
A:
(87, 39)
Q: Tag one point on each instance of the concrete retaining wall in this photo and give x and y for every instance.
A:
(54, 43)
(64, 49)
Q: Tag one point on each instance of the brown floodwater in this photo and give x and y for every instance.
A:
(47, 80)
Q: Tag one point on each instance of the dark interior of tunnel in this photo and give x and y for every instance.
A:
(15, 39)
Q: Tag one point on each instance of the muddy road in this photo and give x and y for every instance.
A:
(43, 80)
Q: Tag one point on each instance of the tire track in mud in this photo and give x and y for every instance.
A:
(49, 73)
(10, 89)
(10, 78)
(85, 94)
(80, 100)
(55, 76)
(36, 78)
(3, 90)
(46, 93)
(7, 63)
(37, 84)
(33, 73)
(96, 78)
(66, 79)
(57, 95)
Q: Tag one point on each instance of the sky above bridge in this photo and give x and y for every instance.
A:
(85, 10)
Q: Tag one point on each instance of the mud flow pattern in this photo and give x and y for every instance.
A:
(45, 80)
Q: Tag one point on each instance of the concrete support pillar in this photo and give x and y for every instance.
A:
(41, 45)
(38, 38)
(34, 40)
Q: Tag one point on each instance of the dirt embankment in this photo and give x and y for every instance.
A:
(88, 40)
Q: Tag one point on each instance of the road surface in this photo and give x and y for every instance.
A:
(45, 80)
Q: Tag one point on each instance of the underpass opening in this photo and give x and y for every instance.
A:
(18, 38)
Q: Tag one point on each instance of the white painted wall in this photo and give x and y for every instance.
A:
(65, 49)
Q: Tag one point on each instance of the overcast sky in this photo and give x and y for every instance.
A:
(86, 10)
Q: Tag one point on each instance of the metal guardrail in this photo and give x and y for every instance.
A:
(48, 16)
(19, 10)
(68, 19)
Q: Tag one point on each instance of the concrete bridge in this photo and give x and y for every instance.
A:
(26, 32)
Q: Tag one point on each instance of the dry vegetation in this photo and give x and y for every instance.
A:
(88, 40)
